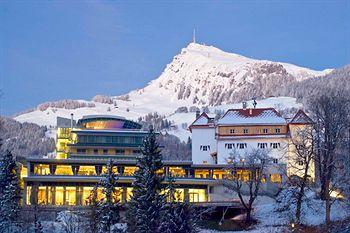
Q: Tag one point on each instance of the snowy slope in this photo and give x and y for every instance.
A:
(181, 121)
(199, 76)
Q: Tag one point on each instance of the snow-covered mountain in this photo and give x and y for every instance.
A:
(204, 75)
(199, 76)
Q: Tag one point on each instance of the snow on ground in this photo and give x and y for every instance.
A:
(271, 220)
(127, 109)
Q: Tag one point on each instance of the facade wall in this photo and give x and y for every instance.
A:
(224, 152)
(203, 137)
(255, 130)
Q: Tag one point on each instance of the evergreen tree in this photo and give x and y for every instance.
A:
(93, 213)
(178, 217)
(38, 228)
(10, 194)
(144, 210)
(109, 208)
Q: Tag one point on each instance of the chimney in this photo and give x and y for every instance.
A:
(71, 121)
(244, 105)
(198, 113)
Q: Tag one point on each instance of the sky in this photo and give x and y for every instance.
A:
(52, 50)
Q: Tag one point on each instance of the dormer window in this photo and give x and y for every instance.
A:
(245, 131)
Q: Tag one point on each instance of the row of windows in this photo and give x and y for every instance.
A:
(105, 151)
(246, 131)
(264, 145)
(109, 139)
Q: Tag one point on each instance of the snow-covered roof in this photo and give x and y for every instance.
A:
(255, 116)
(301, 118)
(202, 120)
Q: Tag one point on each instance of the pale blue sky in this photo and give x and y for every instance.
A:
(54, 50)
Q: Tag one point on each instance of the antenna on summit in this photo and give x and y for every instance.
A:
(194, 35)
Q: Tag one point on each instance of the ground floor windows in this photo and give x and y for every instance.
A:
(276, 178)
(79, 195)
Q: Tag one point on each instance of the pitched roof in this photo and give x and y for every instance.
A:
(254, 116)
(202, 120)
(301, 118)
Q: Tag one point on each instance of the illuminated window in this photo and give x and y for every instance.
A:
(42, 195)
(59, 196)
(177, 171)
(129, 171)
(197, 195)
(70, 196)
(64, 170)
(87, 171)
(28, 195)
(128, 194)
(276, 178)
(41, 169)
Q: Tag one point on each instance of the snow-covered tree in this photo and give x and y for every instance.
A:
(38, 228)
(144, 209)
(92, 214)
(177, 216)
(70, 222)
(108, 210)
(10, 194)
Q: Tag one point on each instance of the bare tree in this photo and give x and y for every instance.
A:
(255, 163)
(330, 111)
(301, 164)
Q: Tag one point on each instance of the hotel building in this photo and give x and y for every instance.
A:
(84, 148)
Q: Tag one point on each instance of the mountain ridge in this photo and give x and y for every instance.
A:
(199, 76)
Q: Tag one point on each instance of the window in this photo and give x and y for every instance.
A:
(136, 152)
(265, 130)
(119, 151)
(229, 146)
(81, 151)
(105, 151)
(232, 131)
(278, 130)
(262, 145)
(275, 160)
(245, 131)
(275, 145)
(95, 151)
(205, 148)
(300, 163)
(241, 145)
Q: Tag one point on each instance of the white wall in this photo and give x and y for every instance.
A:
(203, 137)
(252, 143)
